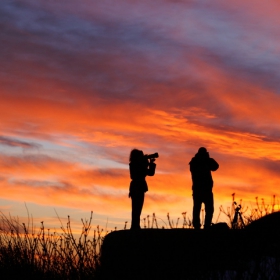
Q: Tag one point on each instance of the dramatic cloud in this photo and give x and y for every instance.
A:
(85, 82)
(16, 143)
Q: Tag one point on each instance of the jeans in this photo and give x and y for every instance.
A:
(137, 205)
(208, 200)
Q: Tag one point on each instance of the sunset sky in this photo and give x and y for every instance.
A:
(84, 82)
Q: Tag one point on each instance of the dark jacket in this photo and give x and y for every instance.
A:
(138, 172)
(201, 166)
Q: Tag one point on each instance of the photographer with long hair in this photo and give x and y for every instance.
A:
(140, 166)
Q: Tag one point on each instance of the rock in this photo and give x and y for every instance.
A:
(187, 253)
(263, 235)
(268, 224)
(168, 253)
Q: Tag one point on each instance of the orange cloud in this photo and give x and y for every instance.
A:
(70, 119)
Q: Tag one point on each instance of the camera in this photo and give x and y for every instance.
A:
(151, 156)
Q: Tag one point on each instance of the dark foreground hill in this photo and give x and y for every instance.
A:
(191, 254)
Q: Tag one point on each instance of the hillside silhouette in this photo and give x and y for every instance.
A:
(188, 253)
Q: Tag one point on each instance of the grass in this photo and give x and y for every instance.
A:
(238, 215)
(26, 252)
(47, 255)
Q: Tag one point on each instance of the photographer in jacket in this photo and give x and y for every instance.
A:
(201, 166)
(140, 166)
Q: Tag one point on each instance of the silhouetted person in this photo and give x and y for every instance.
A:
(201, 166)
(140, 166)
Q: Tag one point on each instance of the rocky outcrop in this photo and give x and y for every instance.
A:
(185, 253)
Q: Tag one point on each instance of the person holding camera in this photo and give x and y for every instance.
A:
(140, 166)
(201, 166)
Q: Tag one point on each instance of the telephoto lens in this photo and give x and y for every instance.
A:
(155, 155)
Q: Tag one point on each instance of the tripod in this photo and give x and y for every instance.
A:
(237, 221)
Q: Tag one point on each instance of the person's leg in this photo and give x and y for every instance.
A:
(137, 205)
(209, 209)
(196, 210)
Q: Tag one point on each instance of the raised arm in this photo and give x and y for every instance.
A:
(213, 165)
